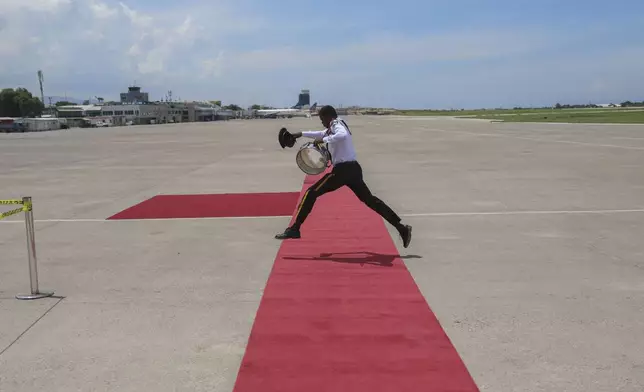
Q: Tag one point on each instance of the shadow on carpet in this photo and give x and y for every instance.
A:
(380, 259)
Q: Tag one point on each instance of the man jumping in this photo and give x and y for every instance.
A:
(346, 171)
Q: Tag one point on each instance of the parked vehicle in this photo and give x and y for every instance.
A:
(10, 124)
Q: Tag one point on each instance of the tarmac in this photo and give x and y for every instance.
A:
(527, 246)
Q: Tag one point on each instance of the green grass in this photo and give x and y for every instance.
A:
(467, 112)
(597, 116)
(583, 115)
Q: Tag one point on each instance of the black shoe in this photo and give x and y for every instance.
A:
(405, 233)
(289, 233)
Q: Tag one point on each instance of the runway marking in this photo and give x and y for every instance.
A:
(505, 136)
(628, 138)
(411, 215)
(544, 212)
(93, 220)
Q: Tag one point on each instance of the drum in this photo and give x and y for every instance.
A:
(312, 159)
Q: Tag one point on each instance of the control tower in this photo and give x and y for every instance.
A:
(303, 100)
(134, 95)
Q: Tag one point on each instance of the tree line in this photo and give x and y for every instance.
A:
(628, 104)
(19, 103)
(625, 104)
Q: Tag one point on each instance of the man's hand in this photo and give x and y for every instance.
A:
(317, 142)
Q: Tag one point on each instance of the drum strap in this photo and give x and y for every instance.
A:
(328, 132)
(348, 129)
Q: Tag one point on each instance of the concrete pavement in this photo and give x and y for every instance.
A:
(529, 236)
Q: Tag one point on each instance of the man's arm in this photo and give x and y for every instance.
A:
(310, 134)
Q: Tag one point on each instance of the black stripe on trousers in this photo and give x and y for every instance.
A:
(344, 174)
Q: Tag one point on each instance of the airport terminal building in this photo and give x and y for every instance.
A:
(135, 108)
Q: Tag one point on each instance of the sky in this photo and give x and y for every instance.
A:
(399, 54)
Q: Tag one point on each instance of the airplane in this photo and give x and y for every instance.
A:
(286, 112)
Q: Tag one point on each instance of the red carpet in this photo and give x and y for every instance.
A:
(342, 313)
(213, 206)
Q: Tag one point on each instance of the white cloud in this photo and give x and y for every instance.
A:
(136, 18)
(185, 27)
(213, 67)
(104, 36)
(102, 10)
(9, 6)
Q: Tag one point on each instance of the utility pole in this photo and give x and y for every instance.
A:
(41, 77)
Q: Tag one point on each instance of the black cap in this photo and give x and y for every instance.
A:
(285, 138)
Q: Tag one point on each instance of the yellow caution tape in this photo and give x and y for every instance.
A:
(13, 212)
(10, 201)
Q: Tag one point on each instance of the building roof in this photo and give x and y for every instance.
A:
(76, 108)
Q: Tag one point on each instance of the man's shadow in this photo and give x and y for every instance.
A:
(380, 259)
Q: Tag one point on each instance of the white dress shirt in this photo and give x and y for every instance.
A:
(338, 138)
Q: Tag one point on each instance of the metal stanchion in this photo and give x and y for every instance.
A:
(31, 248)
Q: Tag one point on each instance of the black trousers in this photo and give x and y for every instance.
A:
(349, 174)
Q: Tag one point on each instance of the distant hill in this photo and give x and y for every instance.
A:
(55, 99)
